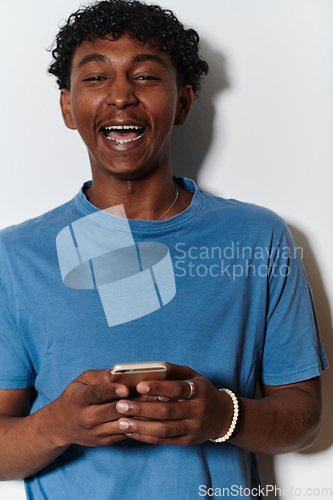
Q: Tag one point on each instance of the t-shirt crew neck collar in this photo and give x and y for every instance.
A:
(85, 207)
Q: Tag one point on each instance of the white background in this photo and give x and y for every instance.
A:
(260, 132)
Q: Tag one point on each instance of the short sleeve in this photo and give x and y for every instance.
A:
(292, 349)
(16, 371)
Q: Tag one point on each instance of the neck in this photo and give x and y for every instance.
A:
(148, 198)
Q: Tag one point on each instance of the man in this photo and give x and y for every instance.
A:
(90, 284)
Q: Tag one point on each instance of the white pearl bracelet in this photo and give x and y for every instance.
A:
(234, 418)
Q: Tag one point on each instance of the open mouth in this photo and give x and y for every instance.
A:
(123, 133)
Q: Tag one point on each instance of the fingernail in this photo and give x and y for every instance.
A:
(121, 391)
(143, 388)
(123, 424)
(122, 406)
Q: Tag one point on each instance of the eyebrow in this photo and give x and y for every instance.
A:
(139, 58)
(91, 58)
(150, 57)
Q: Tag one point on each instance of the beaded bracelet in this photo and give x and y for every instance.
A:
(236, 418)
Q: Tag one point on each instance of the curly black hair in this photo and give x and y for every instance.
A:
(112, 19)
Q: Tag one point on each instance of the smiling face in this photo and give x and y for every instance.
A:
(124, 100)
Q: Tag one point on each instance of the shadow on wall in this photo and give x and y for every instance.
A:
(325, 439)
(324, 319)
(190, 145)
(191, 141)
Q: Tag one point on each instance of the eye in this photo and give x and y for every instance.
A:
(95, 79)
(146, 78)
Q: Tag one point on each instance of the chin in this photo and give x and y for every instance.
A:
(129, 174)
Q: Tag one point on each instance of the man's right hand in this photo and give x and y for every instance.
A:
(85, 413)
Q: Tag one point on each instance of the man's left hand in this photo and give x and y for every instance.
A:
(207, 414)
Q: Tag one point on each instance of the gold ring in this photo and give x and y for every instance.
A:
(192, 387)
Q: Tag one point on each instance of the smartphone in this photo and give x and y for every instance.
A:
(130, 374)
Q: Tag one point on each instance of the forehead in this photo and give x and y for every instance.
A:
(122, 52)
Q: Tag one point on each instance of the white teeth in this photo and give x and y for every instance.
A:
(123, 141)
(122, 127)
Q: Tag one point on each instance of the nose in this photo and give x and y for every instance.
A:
(121, 94)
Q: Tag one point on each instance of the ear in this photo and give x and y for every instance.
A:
(66, 109)
(185, 98)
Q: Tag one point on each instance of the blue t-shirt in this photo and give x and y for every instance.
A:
(219, 287)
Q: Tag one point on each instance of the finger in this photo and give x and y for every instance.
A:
(100, 419)
(143, 397)
(108, 412)
(100, 435)
(93, 377)
(155, 411)
(99, 414)
(160, 430)
(179, 372)
(179, 389)
(100, 393)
